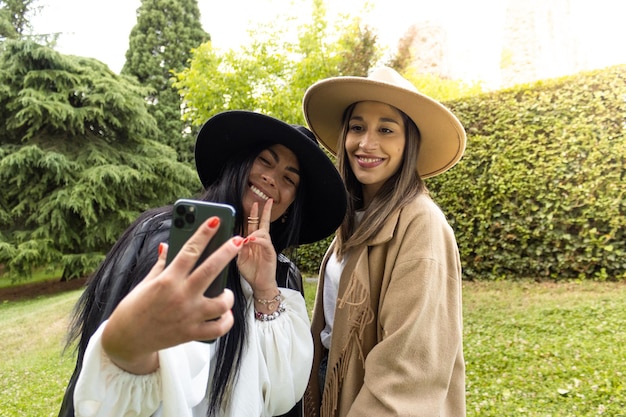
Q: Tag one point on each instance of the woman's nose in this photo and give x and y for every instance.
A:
(268, 179)
(368, 141)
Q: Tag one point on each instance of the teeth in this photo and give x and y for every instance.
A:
(259, 192)
(370, 160)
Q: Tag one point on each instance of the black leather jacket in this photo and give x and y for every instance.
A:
(128, 262)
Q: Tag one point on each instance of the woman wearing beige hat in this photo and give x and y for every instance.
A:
(387, 322)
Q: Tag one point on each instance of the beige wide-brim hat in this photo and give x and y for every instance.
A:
(442, 135)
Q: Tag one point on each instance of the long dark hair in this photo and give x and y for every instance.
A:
(230, 189)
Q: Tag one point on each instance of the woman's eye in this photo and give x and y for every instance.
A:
(356, 128)
(264, 160)
(290, 181)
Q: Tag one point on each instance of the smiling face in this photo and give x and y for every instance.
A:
(374, 144)
(275, 174)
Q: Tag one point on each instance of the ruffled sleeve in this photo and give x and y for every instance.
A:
(277, 361)
(103, 389)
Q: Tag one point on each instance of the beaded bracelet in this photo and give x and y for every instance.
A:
(272, 316)
(271, 303)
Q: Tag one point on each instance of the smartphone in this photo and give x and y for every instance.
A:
(187, 216)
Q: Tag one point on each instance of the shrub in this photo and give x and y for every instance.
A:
(540, 189)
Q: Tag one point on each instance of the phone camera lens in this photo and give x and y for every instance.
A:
(180, 210)
(190, 218)
(179, 222)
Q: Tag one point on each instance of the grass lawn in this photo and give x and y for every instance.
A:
(33, 370)
(545, 349)
(531, 350)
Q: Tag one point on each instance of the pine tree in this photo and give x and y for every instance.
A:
(78, 160)
(14, 18)
(161, 42)
(15, 23)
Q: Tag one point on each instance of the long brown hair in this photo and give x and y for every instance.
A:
(401, 188)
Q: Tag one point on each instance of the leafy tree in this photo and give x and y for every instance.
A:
(271, 73)
(403, 56)
(360, 50)
(78, 160)
(441, 88)
(161, 42)
(430, 84)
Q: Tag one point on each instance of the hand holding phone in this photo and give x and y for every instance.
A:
(187, 215)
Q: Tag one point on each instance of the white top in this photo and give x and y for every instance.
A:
(274, 372)
(332, 275)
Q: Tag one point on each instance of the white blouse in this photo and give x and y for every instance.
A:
(274, 372)
(332, 275)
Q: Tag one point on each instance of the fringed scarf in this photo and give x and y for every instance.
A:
(356, 299)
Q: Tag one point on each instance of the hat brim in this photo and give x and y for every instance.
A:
(442, 135)
(228, 133)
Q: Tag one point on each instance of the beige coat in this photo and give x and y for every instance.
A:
(397, 345)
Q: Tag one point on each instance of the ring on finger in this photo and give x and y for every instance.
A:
(253, 220)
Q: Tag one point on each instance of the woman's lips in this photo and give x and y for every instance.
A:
(369, 161)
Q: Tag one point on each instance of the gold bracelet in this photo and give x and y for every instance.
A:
(271, 304)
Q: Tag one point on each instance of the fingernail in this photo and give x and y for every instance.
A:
(214, 222)
(238, 241)
(161, 248)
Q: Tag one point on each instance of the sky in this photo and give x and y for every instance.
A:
(100, 28)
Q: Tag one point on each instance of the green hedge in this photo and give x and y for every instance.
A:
(540, 190)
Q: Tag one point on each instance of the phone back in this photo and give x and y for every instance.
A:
(187, 216)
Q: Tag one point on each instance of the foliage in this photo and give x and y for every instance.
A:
(531, 350)
(271, 73)
(15, 23)
(404, 55)
(440, 88)
(77, 160)
(540, 190)
(309, 257)
(160, 43)
(432, 85)
(14, 18)
(43, 275)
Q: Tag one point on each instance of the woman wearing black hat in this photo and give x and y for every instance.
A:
(279, 182)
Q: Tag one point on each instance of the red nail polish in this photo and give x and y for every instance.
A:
(160, 248)
(238, 241)
(214, 222)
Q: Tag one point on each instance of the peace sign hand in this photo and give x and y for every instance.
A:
(257, 259)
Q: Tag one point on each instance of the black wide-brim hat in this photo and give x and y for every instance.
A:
(229, 133)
